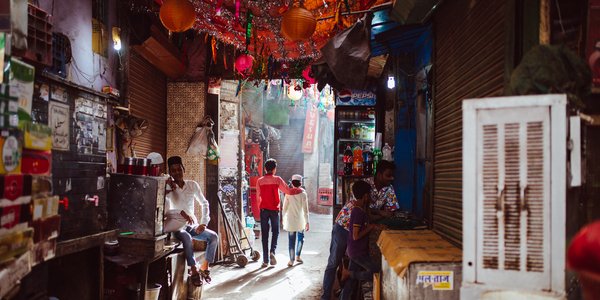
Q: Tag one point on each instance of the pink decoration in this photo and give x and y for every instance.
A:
(307, 74)
(243, 64)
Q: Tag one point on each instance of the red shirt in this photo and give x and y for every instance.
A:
(267, 191)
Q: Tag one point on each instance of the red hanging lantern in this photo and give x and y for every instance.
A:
(177, 15)
(243, 64)
(298, 24)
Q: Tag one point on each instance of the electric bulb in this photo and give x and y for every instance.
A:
(391, 83)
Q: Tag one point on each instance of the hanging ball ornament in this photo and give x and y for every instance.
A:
(298, 24)
(177, 15)
(243, 64)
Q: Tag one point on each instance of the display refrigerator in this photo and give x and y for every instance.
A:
(356, 149)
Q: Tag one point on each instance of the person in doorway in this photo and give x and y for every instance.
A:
(182, 195)
(337, 247)
(295, 220)
(267, 193)
(361, 265)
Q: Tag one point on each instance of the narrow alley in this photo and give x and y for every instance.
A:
(302, 281)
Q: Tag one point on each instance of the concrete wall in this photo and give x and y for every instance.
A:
(74, 19)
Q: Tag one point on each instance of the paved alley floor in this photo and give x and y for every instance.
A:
(302, 281)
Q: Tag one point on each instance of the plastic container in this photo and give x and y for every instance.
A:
(141, 166)
(127, 166)
(152, 292)
(357, 161)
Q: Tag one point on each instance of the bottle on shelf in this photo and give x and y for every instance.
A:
(347, 160)
(357, 161)
(387, 152)
(368, 160)
(376, 159)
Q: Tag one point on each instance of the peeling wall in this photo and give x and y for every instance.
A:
(74, 19)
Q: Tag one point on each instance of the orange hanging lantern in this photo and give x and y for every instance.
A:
(298, 24)
(177, 15)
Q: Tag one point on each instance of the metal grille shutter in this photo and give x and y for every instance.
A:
(148, 100)
(288, 150)
(469, 63)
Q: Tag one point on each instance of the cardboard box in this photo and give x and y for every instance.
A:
(15, 190)
(15, 243)
(14, 272)
(46, 228)
(36, 136)
(44, 207)
(11, 216)
(43, 251)
(41, 185)
(11, 143)
(36, 162)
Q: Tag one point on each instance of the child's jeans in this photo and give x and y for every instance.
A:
(292, 243)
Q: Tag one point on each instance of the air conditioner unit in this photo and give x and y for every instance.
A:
(514, 197)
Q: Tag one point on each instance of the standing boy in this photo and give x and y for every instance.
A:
(267, 194)
(362, 265)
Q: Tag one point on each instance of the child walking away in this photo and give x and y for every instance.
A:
(362, 265)
(295, 220)
(267, 193)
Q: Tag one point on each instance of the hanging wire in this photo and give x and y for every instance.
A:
(560, 21)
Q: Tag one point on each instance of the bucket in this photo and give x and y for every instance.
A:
(152, 292)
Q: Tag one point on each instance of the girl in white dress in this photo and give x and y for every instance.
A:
(295, 220)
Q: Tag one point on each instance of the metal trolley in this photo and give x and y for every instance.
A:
(235, 234)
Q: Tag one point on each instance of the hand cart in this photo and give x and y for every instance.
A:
(235, 234)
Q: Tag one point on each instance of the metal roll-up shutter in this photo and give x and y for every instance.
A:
(148, 100)
(469, 63)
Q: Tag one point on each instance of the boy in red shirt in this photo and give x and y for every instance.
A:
(267, 194)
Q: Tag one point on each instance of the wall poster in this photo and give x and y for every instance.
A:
(58, 120)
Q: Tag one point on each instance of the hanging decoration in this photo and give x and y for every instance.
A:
(298, 24)
(243, 64)
(218, 18)
(308, 76)
(177, 15)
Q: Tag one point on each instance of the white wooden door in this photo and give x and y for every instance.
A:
(513, 191)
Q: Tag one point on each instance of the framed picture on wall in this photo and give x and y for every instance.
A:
(58, 120)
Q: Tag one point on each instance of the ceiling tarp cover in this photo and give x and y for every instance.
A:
(227, 21)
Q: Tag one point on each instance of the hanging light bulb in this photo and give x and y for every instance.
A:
(391, 82)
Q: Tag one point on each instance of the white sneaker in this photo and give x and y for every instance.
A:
(290, 263)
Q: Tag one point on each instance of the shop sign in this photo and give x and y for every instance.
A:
(310, 128)
(439, 280)
(355, 98)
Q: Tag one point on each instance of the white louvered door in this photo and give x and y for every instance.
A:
(513, 197)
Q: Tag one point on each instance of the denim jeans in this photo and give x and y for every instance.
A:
(185, 236)
(269, 217)
(337, 248)
(361, 268)
(292, 243)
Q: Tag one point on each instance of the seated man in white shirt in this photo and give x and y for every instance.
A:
(180, 219)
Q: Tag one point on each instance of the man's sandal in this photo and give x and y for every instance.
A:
(196, 279)
(206, 275)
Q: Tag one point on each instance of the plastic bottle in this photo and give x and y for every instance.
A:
(368, 160)
(387, 152)
(347, 161)
(357, 166)
(376, 159)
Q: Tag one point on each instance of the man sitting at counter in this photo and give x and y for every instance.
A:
(180, 219)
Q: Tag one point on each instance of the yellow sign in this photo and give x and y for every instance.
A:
(439, 280)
